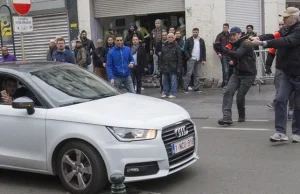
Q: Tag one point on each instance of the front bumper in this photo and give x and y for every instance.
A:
(119, 156)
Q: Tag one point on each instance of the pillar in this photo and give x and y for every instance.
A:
(209, 17)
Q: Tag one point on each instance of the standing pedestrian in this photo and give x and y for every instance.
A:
(156, 40)
(164, 39)
(6, 57)
(99, 68)
(180, 43)
(108, 46)
(62, 54)
(244, 73)
(118, 65)
(81, 55)
(195, 53)
(170, 64)
(52, 48)
(224, 38)
(88, 45)
(140, 63)
(287, 60)
(131, 32)
(278, 72)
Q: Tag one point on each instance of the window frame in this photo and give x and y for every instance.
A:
(43, 102)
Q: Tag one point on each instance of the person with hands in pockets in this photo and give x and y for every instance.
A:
(243, 74)
(170, 65)
(118, 65)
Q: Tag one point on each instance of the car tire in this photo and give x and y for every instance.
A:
(81, 169)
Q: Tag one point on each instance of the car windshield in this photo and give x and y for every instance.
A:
(67, 84)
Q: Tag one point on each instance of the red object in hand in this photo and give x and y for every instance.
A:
(229, 46)
(277, 35)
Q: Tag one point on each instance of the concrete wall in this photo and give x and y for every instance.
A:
(209, 16)
(86, 19)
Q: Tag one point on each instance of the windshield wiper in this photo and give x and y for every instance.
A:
(103, 96)
(71, 103)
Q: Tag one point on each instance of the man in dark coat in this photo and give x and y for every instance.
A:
(170, 64)
(131, 32)
(140, 63)
(287, 60)
(244, 73)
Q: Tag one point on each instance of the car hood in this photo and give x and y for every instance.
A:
(125, 110)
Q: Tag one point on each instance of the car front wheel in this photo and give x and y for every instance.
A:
(81, 169)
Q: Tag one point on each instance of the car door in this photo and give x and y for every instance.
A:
(22, 138)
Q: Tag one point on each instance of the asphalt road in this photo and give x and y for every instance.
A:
(233, 160)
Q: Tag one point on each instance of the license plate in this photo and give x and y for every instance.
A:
(183, 145)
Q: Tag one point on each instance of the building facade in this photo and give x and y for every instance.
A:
(50, 19)
(98, 16)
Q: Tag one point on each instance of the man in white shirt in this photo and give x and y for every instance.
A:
(195, 52)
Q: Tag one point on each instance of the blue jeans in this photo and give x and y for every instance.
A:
(287, 86)
(225, 66)
(169, 83)
(126, 81)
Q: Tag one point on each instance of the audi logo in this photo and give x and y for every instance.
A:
(181, 131)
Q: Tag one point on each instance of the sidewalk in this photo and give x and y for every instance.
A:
(208, 103)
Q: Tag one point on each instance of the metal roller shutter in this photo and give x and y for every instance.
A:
(105, 8)
(242, 13)
(45, 28)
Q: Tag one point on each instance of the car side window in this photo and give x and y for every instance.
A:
(11, 88)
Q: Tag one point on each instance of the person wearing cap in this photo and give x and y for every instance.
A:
(244, 73)
(99, 68)
(81, 54)
(52, 48)
(88, 45)
(131, 32)
(288, 61)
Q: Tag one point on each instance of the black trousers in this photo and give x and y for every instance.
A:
(137, 80)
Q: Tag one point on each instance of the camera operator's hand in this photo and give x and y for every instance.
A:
(219, 47)
(268, 70)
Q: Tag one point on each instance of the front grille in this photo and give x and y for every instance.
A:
(169, 137)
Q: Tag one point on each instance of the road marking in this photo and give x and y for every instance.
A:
(237, 129)
(254, 120)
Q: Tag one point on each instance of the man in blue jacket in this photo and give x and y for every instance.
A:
(118, 64)
(62, 54)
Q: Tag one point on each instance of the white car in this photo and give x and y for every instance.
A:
(66, 121)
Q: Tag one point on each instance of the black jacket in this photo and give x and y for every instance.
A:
(223, 38)
(97, 59)
(288, 49)
(170, 59)
(244, 57)
(141, 60)
(105, 51)
(188, 49)
(88, 45)
(129, 36)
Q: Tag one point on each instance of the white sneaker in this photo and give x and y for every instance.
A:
(164, 95)
(295, 138)
(279, 137)
(172, 96)
(190, 88)
(143, 88)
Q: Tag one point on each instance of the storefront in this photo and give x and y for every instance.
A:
(50, 19)
(208, 16)
(118, 14)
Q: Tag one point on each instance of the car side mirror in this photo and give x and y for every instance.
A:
(24, 103)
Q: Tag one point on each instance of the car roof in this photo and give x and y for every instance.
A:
(30, 66)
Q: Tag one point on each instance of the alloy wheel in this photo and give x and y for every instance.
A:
(76, 169)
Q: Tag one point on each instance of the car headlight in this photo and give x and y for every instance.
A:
(128, 134)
